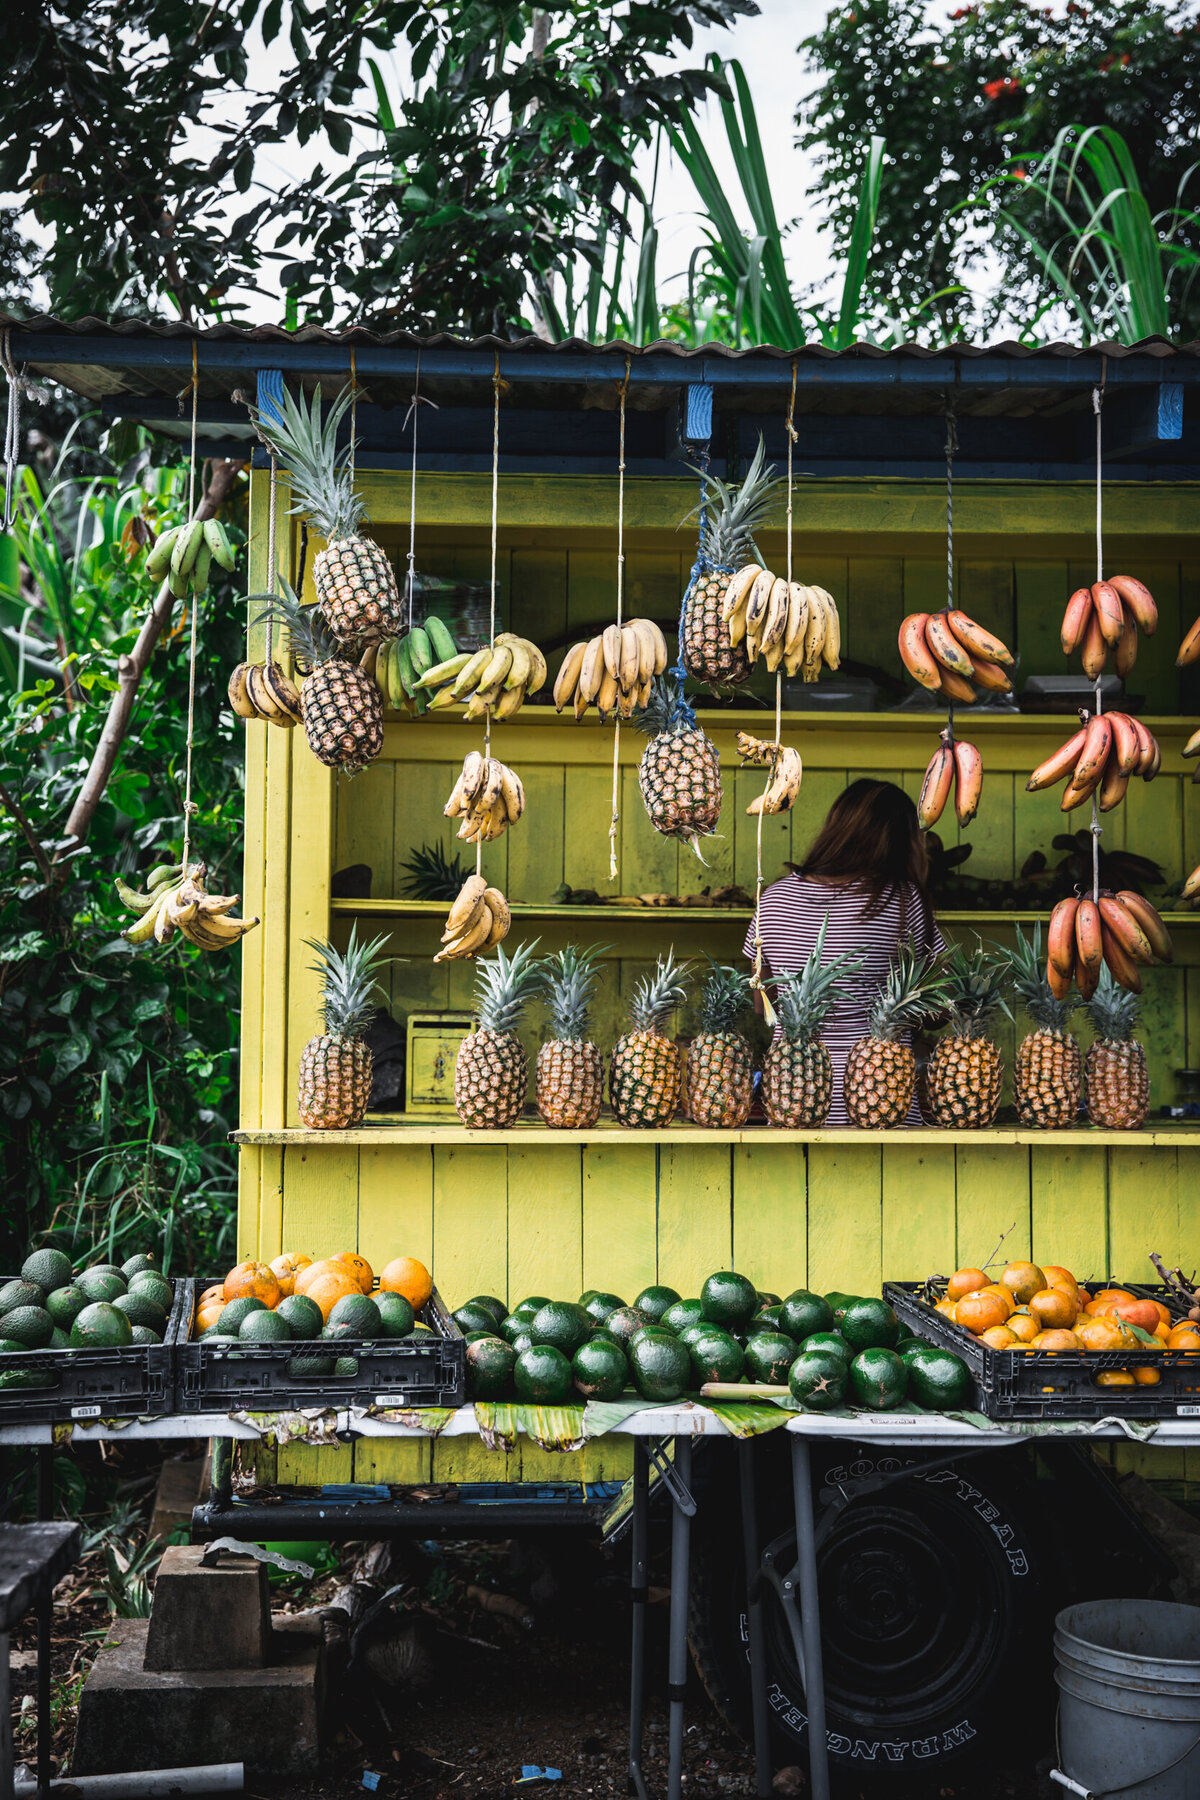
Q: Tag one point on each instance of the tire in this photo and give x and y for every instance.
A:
(930, 1601)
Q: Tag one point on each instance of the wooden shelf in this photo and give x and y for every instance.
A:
(700, 915)
(394, 1130)
(755, 718)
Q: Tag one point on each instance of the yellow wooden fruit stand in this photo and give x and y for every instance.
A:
(530, 1209)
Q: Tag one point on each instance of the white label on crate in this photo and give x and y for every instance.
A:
(1187, 1412)
(402, 1400)
(93, 1412)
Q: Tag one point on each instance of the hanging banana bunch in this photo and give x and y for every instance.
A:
(175, 899)
(264, 691)
(488, 797)
(787, 772)
(184, 555)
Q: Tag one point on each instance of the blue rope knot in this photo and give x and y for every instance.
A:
(703, 565)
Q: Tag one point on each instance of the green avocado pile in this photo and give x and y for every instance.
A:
(379, 1316)
(103, 1307)
(829, 1350)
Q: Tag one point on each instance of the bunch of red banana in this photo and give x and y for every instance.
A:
(953, 765)
(1191, 887)
(1192, 747)
(950, 654)
(1103, 756)
(1106, 616)
(1122, 930)
(1189, 650)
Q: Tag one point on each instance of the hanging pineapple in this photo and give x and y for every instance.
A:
(719, 1073)
(570, 1068)
(726, 545)
(797, 1074)
(336, 1068)
(340, 705)
(881, 1072)
(355, 584)
(1047, 1071)
(680, 770)
(1118, 1084)
(491, 1074)
(646, 1069)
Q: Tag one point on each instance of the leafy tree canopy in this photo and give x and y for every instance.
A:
(957, 96)
(155, 170)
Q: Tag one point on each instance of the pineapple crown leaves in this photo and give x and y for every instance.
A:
(349, 981)
(657, 995)
(309, 632)
(568, 980)
(731, 513)
(973, 990)
(666, 710)
(502, 986)
(913, 992)
(723, 998)
(1113, 1010)
(322, 479)
(429, 874)
(1027, 972)
(804, 999)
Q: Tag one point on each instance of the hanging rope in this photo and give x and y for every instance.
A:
(272, 560)
(353, 413)
(411, 578)
(17, 380)
(622, 390)
(951, 448)
(756, 980)
(1097, 404)
(498, 386)
(189, 806)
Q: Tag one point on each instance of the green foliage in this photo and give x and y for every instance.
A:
(116, 1065)
(957, 96)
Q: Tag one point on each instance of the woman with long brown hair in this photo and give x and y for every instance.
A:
(867, 869)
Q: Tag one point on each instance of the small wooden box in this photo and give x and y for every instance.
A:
(433, 1040)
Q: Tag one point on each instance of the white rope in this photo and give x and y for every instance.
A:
(189, 806)
(1097, 404)
(412, 494)
(498, 383)
(272, 560)
(613, 866)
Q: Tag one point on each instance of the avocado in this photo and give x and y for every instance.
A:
(654, 1301)
(598, 1306)
(140, 1309)
(234, 1311)
(522, 1341)
(355, 1316)
(878, 1379)
(264, 1328)
(142, 1334)
(542, 1376)
(561, 1324)
(661, 1367)
(101, 1284)
(532, 1303)
(7, 1344)
(20, 1293)
(682, 1314)
(473, 1317)
(690, 1333)
(803, 1313)
(31, 1326)
(832, 1341)
(346, 1366)
(59, 1339)
(11, 1379)
(304, 1315)
(65, 1304)
(818, 1378)
(645, 1331)
(624, 1322)
(937, 1378)
(869, 1324)
(491, 1304)
(766, 1299)
(716, 1356)
(771, 1315)
(728, 1299)
(395, 1314)
(99, 1327)
(47, 1269)
(512, 1326)
(838, 1302)
(156, 1285)
(142, 1264)
(308, 1368)
(599, 1370)
(769, 1356)
(603, 1336)
(490, 1364)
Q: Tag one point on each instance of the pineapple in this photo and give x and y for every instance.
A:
(336, 1068)
(339, 703)
(680, 770)
(491, 1074)
(726, 545)
(646, 1068)
(881, 1072)
(1046, 1077)
(570, 1068)
(1118, 1085)
(966, 1072)
(719, 1074)
(797, 1075)
(355, 584)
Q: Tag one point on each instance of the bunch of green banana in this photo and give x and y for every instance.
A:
(175, 899)
(401, 662)
(497, 679)
(185, 554)
(264, 691)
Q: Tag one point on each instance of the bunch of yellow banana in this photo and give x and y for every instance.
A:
(487, 797)
(263, 691)
(615, 671)
(175, 899)
(783, 622)
(497, 679)
(479, 920)
(184, 555)
(787, 772)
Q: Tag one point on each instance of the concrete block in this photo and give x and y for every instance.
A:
(131, 1717)
(214, 1615)
(180, 1487)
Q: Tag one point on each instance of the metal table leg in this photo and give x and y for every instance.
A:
(7, 1773)
(760, 1711)
(45, 1603)
(220, 1491)
(681, 1542)
(639, 1594)
(810, 1620)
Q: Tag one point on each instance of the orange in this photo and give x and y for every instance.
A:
(1023, 1280)
(405, 1275)
(964, 1281)
(946, 1307)
(977, 1311)
(1112, 1294)
(216, 1292)
(330, 1287)
(1055, 1273)
(1143, 1313)
(285, 1269)
(1053, 1309)
(1084, 1296)
(208, 1315)
(359, 1267)
(1056, 1340)
(314, 1270)
(1002, 1294)
(1023, 1327)
(1114, 1378)
(1162, 1332)
(1147, 1377)
(999, 1337)
(253, 1280)
(1100, 1334)
(1185, 1336)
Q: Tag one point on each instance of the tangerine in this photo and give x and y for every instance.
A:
(975, 1312)
(946, 1308)
(1056, 1340)
(1023, 1326)
(1114, 1295)
(1023, 1280)
(1147, 1377)
(1142, 1313)
(965, 1281)
(1114, 1378)
(252, 1281)
(216, 1292)
(208, 1315)
(1185, 1336)
(334, 1284)
(1100, 1334)
(405, 1275)
(1002, 1294)
(286, 1268)
(1053, 1309)
(999, 1337)
(1055, 1273)
(359, 1267)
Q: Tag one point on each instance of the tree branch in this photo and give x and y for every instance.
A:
(10, 802)
(131, 668)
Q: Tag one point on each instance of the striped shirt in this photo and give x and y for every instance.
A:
(791, 913)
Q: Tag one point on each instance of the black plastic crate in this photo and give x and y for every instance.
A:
(137, 1382)
(253, 1377)
(1058, 1384)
